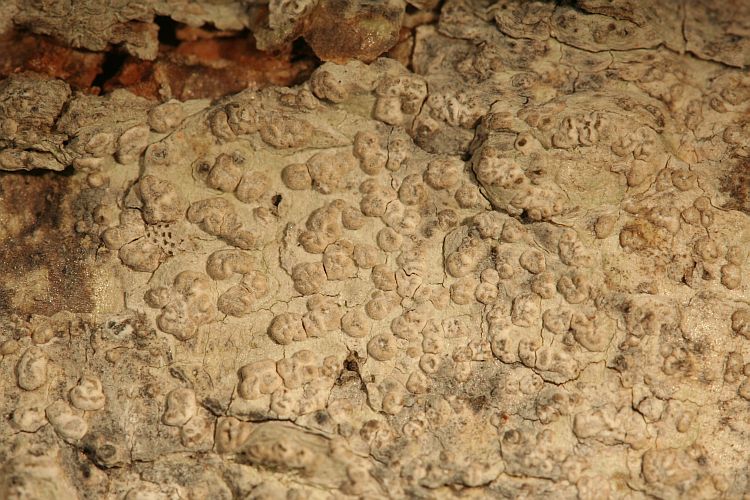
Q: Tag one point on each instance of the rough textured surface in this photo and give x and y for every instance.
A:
(208, 65)
(364, 29)
(192, 63)
(26, 52)
(97, 25)
(515, 267)
(337, 30)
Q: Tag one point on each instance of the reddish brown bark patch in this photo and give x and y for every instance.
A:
(25, 52)
(212, 68)
(197, 63)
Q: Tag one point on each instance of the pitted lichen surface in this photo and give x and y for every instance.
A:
(515, 269)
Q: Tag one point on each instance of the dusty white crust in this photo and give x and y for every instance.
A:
(519, 270)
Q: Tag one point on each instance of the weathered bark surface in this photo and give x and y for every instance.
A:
(508, 260)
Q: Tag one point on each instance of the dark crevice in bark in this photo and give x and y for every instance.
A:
(167, 31)
(112, 64)
(193, 62)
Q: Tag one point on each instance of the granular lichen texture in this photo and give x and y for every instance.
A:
(457, 249)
